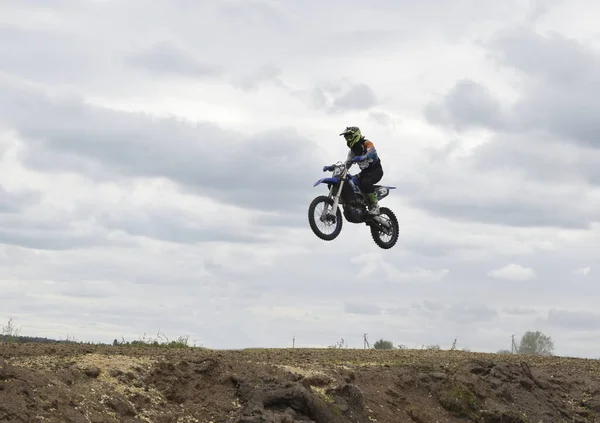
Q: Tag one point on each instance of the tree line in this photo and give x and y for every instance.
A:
(532, 342)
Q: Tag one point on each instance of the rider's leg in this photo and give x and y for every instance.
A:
(368, 178)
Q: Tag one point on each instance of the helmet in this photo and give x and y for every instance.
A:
(352, 135)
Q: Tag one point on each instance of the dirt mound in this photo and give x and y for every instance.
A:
(75, 383)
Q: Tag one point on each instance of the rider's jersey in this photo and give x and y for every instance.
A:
(365, 149)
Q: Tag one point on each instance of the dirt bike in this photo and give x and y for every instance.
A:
(344, 193)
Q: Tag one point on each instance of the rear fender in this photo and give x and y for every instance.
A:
(382, 191)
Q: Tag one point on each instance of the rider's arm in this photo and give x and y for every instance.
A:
(371, 152)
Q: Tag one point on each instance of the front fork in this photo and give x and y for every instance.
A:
(336, 199)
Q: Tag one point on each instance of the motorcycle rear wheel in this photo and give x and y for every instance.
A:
(376, 233)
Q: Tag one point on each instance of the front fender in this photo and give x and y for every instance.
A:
(327, 181)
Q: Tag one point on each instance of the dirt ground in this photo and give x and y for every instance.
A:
(94, 384)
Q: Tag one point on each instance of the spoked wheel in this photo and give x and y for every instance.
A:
(385, 234)
(321, 221)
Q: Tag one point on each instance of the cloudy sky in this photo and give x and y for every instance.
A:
(157, 161)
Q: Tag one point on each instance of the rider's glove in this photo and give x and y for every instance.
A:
(326, 168)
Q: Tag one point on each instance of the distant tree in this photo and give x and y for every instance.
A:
(453, 347)
(383, 345)
(504, 351)
(9, 332)
(536, 343)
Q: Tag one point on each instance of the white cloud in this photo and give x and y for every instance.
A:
(151, 181)
(375, 266)
(513, 272)
(584, 271)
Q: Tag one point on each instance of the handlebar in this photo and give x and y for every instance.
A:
(338, 164)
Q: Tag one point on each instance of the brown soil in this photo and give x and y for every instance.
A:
(80, 383)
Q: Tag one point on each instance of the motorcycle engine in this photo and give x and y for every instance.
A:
(354, 213)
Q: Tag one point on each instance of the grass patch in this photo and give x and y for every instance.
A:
(461, 401)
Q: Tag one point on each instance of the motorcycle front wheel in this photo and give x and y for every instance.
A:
(324, 218)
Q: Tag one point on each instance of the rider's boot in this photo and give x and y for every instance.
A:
(373, 204)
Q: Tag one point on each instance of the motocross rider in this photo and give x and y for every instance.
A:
(362, 151)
